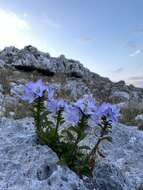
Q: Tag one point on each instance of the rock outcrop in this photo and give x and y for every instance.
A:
(30, 59)
(26, 165)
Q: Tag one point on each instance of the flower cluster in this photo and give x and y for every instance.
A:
(88, 107)
(34, 90)
(81, 114)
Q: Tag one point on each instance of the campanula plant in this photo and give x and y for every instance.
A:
(55, 107)
(74, 155)
(34, 93)
(105, 117)
(79, 116)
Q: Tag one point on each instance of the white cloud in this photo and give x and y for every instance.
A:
(135, 53)
(25, 15)
(13, 29)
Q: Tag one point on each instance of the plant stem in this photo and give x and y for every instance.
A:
(81, 126)
(38, 111)
(57, 124)
(92, 154)
(38, 122)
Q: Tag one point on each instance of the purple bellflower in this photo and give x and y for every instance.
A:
(55, 105)
(33, 90)
(50, 92)
(94, 119)
(72, 114)
(111, 112)
(87, 105)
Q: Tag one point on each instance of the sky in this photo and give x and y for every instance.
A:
(106, 36)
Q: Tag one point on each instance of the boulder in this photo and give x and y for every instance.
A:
(122, 165)
(122, 95)
(106, 176)
(139, 118)
(25, 165)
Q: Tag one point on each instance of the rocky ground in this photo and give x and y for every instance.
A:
(70, 79)
(25, 165)
(73, 72)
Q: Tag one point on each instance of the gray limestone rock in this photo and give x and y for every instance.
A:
(24, 165)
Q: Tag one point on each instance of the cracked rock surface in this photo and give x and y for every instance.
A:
(24, 165)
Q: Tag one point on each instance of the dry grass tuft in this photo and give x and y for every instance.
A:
(18, 110)
(129, 113)
(5, 75)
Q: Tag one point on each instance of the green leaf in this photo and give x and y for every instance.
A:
(84, 147)
(69, 135)
(75, 129)
(108, 138)
(82, 136)
(62, 162)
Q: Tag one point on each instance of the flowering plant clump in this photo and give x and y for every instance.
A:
(79, 115)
